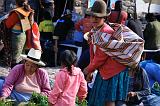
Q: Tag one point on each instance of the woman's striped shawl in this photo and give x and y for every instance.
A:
(124, 45)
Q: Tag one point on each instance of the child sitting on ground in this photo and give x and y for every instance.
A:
(139, 90)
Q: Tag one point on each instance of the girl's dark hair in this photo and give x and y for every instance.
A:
(138, 79)
(118, 5)
(68, 58)
(24, 4)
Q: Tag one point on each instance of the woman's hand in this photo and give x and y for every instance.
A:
(2, 98)
(132, 94)
(89, 77)
(85, 71)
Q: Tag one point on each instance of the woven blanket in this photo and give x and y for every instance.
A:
(123, 45)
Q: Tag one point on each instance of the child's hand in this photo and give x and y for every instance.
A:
(49, 104)
(132, 94)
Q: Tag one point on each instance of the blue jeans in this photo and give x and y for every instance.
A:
(151, 100)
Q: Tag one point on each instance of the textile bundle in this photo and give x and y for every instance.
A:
(123, 45)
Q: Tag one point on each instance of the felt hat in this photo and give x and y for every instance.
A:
(99, 9)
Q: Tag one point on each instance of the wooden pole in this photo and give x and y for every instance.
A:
(135, 10)
(149, 6)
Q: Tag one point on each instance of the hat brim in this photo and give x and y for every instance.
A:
(35, 62)
(100, 15)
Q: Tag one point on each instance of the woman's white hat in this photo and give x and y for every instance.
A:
(33, 56)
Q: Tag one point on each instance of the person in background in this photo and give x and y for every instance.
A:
(85, 26)
(46, 29)
(135, 25)
(24, 79)
(60, 6)
(48, 5)
(151, 36)
(111, 82)
(37, 7)
(69, 82)
(18, 21)
(64, 25)
(118, 15)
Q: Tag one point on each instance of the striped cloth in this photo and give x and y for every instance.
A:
(123, 45)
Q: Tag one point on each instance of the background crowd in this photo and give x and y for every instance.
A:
(118, 63)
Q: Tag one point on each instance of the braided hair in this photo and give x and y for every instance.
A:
(68, 58)
(118, 5)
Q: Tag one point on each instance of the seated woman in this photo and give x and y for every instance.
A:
(139, 90)
(24, 79)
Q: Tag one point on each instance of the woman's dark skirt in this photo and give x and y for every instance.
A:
(113, 89)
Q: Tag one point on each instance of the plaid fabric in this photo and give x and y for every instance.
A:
(123, 45)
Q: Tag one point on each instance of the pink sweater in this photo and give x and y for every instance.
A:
(16, 76)
(67, 86)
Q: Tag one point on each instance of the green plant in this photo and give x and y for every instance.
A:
(7, 102)
(38, 100)
(83, 103)
(156, 86)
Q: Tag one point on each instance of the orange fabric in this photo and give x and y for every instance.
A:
(12, 20)
(13, 17)
(23, 12)
(33, 37)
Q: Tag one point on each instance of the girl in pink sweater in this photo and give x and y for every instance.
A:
(69, 82)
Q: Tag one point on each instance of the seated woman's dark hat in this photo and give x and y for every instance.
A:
(99, 9)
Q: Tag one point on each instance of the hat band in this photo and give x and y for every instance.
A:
(33, 59)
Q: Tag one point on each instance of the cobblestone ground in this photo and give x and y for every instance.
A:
(51, 72)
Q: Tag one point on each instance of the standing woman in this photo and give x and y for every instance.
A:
(111, 83)
(118, 15)
(18, 21)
